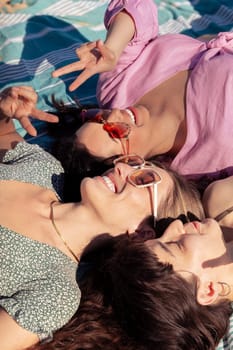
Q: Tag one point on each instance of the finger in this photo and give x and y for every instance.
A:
(81, 79)
(25, 87)
(104, 50)
(86, 48)
(24, 93)
(73, 67)
(27, 125)
(40, 115)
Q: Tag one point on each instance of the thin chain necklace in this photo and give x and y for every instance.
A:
(59, 233)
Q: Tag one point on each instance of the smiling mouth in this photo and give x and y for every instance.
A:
(109, 184)
(131, 115)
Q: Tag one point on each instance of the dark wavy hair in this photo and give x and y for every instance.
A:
(94, 326)
(76, 160)
(130, 300)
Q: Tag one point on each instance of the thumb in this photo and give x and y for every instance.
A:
(106, 53)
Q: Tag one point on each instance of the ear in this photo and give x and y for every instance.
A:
(207, 292)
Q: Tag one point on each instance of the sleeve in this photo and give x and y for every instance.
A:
(43, 308)
(143, 12)
(227, 342)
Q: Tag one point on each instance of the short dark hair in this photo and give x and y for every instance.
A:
(131, 301)
(152, 303)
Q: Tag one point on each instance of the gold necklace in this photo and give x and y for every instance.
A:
(59, 233)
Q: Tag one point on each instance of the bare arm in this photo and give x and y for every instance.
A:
(12, 336)
(97, 57)
(120, 33)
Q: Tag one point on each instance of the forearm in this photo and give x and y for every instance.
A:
(121, 31)
(21, 338)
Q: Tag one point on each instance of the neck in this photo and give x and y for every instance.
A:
(170, 135)
(78, 225)
(166, 106)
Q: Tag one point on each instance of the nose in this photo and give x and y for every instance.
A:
(123, 170)
(174, 231)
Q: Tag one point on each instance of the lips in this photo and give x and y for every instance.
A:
(196, 224)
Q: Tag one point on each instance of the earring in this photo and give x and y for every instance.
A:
(226, 289)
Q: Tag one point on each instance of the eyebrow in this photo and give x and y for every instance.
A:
(165, 248)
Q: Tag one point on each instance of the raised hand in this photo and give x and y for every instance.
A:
(94, 57)
(19, 102)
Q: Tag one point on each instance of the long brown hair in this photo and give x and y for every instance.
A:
(94, 326)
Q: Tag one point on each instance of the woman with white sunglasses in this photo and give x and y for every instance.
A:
(42, 238)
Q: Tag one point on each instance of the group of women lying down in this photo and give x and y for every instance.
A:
(134, 263)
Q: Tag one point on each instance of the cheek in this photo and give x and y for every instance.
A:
(138, 141)
(165, 187)
(138, 202)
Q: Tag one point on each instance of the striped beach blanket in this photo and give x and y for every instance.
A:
(38, 35)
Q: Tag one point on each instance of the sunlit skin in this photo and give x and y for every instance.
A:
(198, 248)
(218, 203)
(115, 201)
(217, 198)
(160, 114)
(99, 143)
(159, 127)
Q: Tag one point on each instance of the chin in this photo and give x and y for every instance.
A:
(85, 186)
(91, 190)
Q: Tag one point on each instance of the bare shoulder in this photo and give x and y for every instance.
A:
(218, 196)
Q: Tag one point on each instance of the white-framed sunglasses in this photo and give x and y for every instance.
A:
(142, 175)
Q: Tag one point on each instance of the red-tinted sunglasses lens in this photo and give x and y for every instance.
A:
(117, 130)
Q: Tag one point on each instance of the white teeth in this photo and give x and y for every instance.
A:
(109, 183)
(132, 117)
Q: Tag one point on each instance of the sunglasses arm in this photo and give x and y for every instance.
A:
(155, 203)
